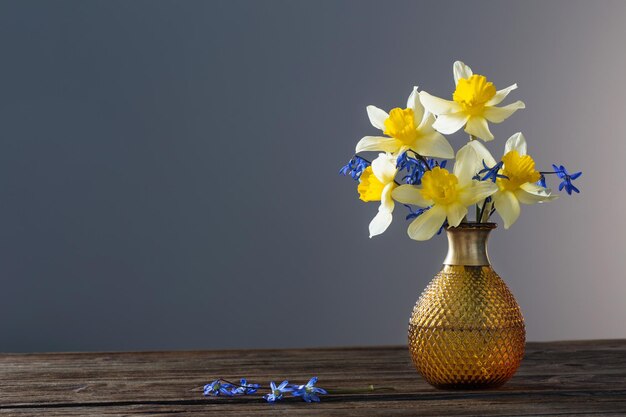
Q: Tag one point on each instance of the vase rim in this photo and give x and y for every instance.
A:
(465, 226)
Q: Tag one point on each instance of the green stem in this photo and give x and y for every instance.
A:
(370, 388)
(482, 210)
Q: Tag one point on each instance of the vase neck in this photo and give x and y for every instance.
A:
(467, 244)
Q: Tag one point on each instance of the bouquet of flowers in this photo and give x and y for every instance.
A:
(411, 168)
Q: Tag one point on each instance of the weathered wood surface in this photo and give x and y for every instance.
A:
(556, 379)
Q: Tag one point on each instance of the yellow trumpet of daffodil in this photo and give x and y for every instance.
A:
(447, 194)
(409, 128)
(376, 184)
(519, 181)
(473, 104)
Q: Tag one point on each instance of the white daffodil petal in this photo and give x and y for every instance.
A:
(483, 154)
(380, 223)
(466, 165)
(535, 189)
(377, 117)
(501, 95)
(477, 126)
(455, 213)
(450, 123)
(507, 206)
(384, 168)
(438, 105)
(378, 143)
(386, 201)
(516, 142)
(532, 193)
(434, 145)
(414, 103)
(426, 124)
(499, 114)
(427, 224)
(525, 197)
(461, 71)
(410, 194)
(478, 191)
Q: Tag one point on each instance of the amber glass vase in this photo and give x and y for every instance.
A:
(467, 330)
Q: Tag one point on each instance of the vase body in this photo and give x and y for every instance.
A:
(467, 330)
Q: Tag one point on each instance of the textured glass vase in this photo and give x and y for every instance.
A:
(467, 330)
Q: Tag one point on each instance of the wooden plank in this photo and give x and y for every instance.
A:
(410, 405)
(557, 378)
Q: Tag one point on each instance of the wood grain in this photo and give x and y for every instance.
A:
(558, 378)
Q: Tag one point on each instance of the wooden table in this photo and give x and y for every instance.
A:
(561, 378)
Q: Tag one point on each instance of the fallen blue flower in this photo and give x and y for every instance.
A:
(276, 392)
(218, 387)
(309, 392)
(244, 388)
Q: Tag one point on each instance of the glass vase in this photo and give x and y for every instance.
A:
(467, 330)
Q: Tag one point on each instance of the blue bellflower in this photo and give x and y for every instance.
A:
(309, 392)
(276, 392)
(354, 167)
(567, 179)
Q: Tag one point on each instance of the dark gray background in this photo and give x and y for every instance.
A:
(168, 170)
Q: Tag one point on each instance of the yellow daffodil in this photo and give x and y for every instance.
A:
(519, 184)
(376, 184)
(473, 104)
(447, 194)
(409, 128)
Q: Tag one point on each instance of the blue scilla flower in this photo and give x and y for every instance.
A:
(542, 181)
(218, 387)
(354, 167)
(415, 167)
(443, 227)
(491, 174)
(567, 179)
(309, 392)
(276, 392)
(403, 161)
(244, 388)
(434, 163)
(413, 214)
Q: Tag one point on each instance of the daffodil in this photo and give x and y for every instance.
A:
(473, 104)
(409, 128)
(376, 184)
(447, 194)
(516, 180)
